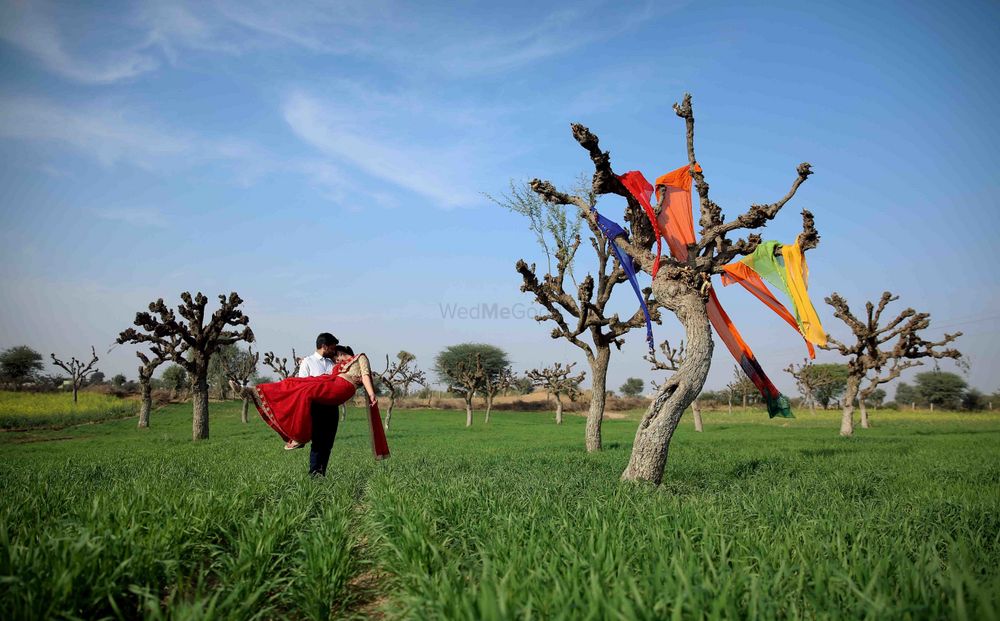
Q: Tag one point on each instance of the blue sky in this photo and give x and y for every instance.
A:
(328, 161)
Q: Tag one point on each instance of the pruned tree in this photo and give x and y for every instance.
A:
(494, 384)
(398, 377)
(240, 369)
(78, 370)
(202, 336)
(880, 352)
(680, 287)
(467, 367)
(148, 363)
(805, 381)
(558, 380)
(581, 317)
(406, 357)
(280, 365)
(466, 378)
(742, 386)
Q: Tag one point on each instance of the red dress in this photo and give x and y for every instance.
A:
(285, 405)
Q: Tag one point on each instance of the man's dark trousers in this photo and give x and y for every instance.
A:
(324, 430)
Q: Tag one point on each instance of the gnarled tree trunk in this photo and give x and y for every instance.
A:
(865, 423)
(696, 411)
(652, 439)
(468, 410)
(388, 414)
(598, 396)
(147, 402)
(489, 407)
(847, 418)
(559, 410)
(245, 411)
(199, 402)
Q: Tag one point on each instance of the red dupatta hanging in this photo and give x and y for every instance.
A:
(380, 445)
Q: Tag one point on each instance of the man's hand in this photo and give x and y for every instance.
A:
(373, 401)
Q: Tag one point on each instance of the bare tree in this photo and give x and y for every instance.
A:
(201, 335)
(280, 365)
(805, 381)
(680, 287)
(240, 370)
(581, 318)
(741, 385)
(881, 352)
(77, 369)
(558, 381)
(494, 384)
(465, 379)
(397, 378)
(149, 361)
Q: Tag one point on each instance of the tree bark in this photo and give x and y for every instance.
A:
(468, 410)
(652, 439)
(865, 423)
(245, 412)
(489, 408)
(76, 389)
(730, 404)
(696, 411)
(598, 396)
(559, 410)
(147, 403)
(388, 414)
(199, 401)
(847, 418)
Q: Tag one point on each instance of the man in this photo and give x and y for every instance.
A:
(324, 417)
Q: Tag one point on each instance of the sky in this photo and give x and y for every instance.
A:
(329, 161)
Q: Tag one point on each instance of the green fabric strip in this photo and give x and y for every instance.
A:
(770, 267)
(779, 406)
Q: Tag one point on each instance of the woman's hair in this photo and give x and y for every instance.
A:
(343, 349)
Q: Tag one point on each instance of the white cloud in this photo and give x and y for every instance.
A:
(435, 172)
(30, 27)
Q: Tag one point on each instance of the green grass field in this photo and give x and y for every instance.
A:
(757, 518)
(23, 410)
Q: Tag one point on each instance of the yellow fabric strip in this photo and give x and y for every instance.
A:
(796, 274)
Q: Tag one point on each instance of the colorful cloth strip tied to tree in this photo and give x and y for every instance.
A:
(788, 272)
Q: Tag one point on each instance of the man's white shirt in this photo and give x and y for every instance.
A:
(315, 365)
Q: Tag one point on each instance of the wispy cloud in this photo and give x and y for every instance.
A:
(103, 133)
(399, 36)
(135, 216)
(30, 27)
(433, 171)
(115, 137)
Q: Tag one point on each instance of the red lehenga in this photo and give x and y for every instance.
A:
(285, 406)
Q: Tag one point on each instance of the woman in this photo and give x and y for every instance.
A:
(285, 405)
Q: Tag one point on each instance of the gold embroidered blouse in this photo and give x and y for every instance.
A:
(358, 368)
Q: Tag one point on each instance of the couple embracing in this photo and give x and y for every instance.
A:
(306, 408)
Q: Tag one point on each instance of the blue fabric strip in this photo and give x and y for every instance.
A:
(611, 230)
